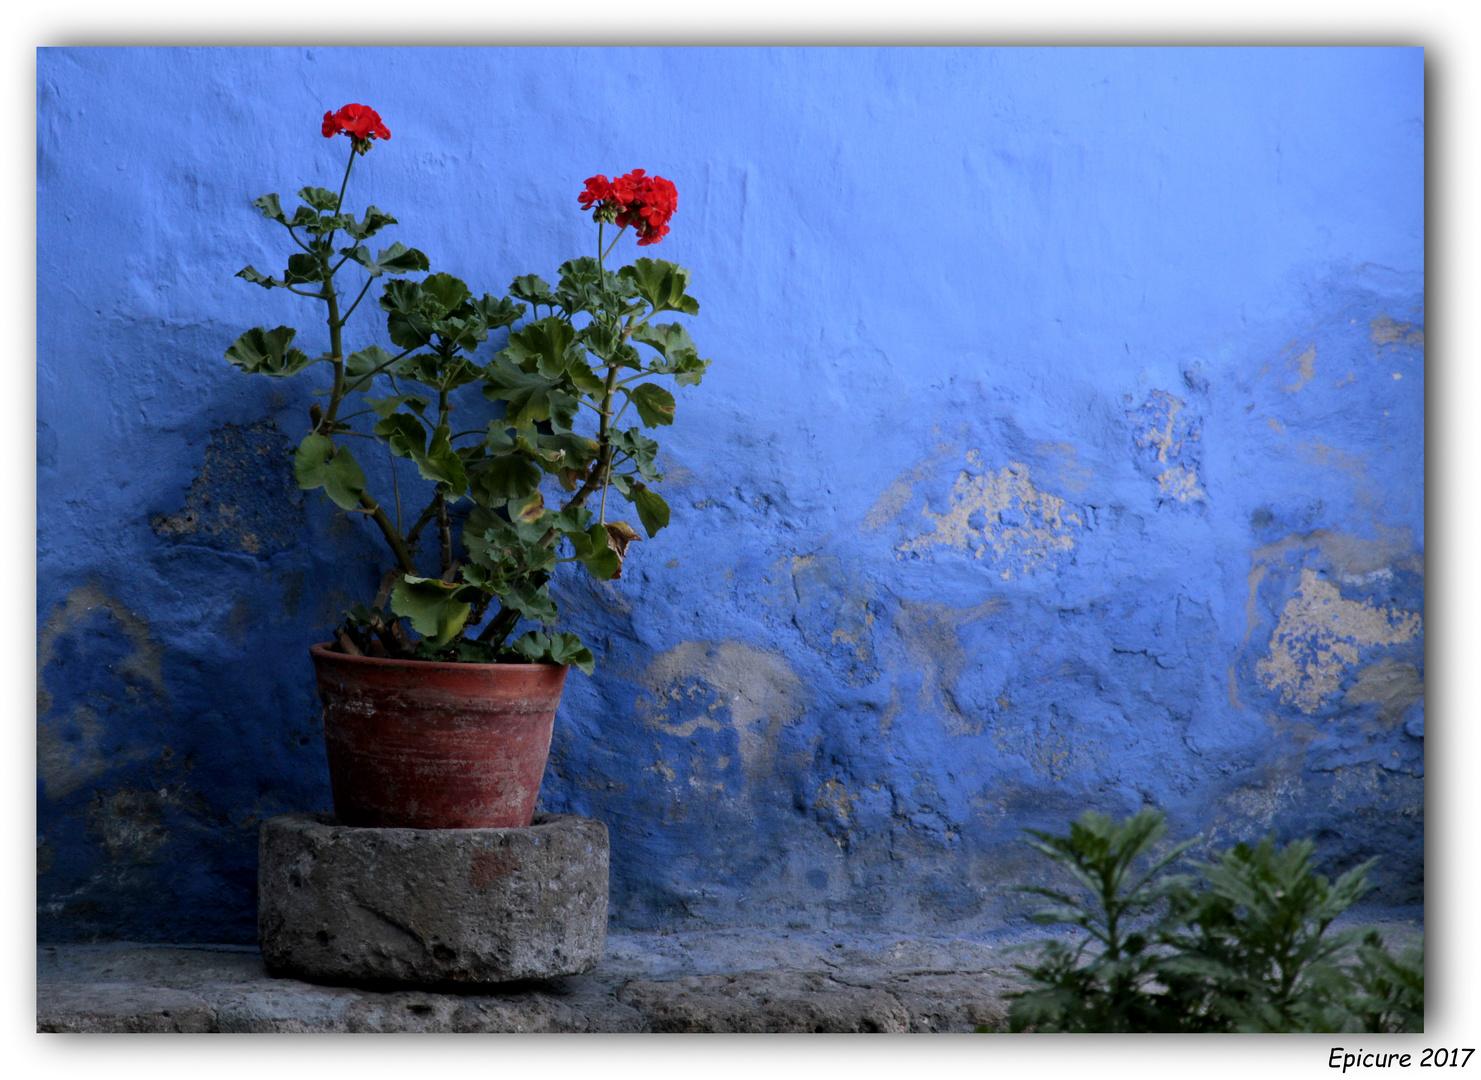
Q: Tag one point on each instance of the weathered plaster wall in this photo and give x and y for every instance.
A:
(1063, 448)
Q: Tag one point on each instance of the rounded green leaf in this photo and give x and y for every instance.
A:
(319, 463)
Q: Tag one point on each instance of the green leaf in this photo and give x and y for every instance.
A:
(536, 647)
(373, 359)
(528, 398)
(326, 224)
(396, 259)
(573, 520)
(321, 199)
(532, 290)
(585, 379)
(441, 463)
(655, 404)
(266, 352)
(304, 217)
(497, 313)
(546, 347)
(374, 220)
(386, 406)
(669, 339)
(271, 208)
(531, 602)
(441, 293)
(303, 270)
(652, 510)
(404, 433)
(319, 463)
(507, 476)
(681, 360)
(437, 609)
(662, 284)
(568, 649)
(256, 277)
(640, 450)
(595, 553)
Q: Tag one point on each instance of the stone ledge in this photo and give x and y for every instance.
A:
(683, 980)
(429, 907)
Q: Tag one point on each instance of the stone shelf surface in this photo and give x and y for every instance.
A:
(686, 980)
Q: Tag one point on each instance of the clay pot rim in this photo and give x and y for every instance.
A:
(326, 648)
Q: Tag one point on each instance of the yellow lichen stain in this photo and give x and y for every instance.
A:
(753, 693)
(1320, 635)
(1397, 376)
(1274, 424)
(1022, 528)
(1385, 331)
(1178, 481)
(835, 796)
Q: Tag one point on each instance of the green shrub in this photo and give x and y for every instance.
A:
(1245, 946)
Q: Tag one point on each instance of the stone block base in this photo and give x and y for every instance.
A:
(338, 904)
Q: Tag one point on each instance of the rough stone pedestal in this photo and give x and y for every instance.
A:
(338, 904)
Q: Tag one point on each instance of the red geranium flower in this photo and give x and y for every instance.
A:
(360, 122)
(637, 199)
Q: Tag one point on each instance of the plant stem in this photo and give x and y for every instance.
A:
(389, 531)
(610, 246)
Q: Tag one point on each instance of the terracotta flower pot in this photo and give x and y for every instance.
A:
(423, 745)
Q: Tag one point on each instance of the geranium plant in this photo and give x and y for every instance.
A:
(540, 417)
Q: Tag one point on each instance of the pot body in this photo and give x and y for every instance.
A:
(417, 744)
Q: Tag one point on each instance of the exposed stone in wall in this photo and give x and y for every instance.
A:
(244, 498)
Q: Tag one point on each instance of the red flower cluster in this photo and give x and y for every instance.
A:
(360, 122)
(644, 202)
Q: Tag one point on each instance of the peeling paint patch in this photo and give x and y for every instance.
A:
(1304, 365)
(896, 496)
(1319, 637)
(1000, 517)
(929, 634)
(1322, 454)
(147, 658)
(244, 498)
(718, 687)
(836, 798)
(1385, 331)
(128, 823)
(70, 740)
(1070, 474)
(834, 613)
(1170, 435)
(1392, 685)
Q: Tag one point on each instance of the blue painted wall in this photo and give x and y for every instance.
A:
(1063, 448)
